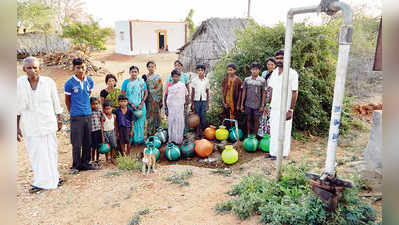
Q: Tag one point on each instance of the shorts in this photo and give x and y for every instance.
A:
(95, 139)
(251, 111)
(124, 135)
(110, 138)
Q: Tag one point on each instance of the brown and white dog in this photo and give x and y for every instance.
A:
(149, 160)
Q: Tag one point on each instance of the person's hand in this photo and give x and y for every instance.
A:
(19, 134)
(289, 115)
(266, 112)
(261, 109)
(131, 133)
(192, 107)
(59, 123)
(227, 106)
(133, 106)
(103, 139)
(140, 106)
(242, 108)
(207, 106)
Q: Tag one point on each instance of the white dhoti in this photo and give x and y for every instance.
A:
(274, 133)
(43, 157)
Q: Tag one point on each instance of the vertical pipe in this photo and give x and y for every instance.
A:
(249, 9)
(284, 92)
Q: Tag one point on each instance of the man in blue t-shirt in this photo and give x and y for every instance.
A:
(77, 99)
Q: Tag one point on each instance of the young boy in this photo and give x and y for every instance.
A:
(200, 97)
(124, 125)
(253, 94)
(95, 129)
(108, 124)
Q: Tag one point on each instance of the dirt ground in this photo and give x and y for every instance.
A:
(111, 196)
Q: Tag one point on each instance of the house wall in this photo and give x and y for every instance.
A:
(145, 36)
(122, 38)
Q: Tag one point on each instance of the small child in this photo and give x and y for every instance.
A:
(108, 124)
(124, 125)
(95, 129)
(253, 94)
(200, 97)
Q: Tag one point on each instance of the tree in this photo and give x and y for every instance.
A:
(68, 11)
(87, 35)
(34, 15)
(190, 23)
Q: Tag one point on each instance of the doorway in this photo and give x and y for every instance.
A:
(161, 41)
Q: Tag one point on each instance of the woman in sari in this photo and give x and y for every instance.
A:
(264, 123)
(136, 91)
(154, 105)
(110, 93)
(176, 100)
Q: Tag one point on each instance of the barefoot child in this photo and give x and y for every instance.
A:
(200, 97)
(176, 98)
(95, 129)
(108, 124)
(124, 125)
(253, 94)
(231, 91)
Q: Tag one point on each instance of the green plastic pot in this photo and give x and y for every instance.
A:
(104, 148)
(138, 113)
(151, 148)
(233, 134)
(187, 148)
(172, 152)
(154, 140)
(250, 143)
(229, 155)
(265, 143)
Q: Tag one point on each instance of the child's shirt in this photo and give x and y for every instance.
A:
(254, 89)
(95, 120)
(109, 123)
(200, 86)
(124, 120)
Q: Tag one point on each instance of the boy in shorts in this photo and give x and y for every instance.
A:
(108, 124)
(124, 125)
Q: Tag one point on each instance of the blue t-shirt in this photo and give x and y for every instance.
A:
(124, 120)
(80, 95)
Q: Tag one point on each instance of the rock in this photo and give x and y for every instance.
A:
(372, 153)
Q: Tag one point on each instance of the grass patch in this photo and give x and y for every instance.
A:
(291, 201)
(225, 172)
(128, 163)
(113, 173)
(135, 220)
(180, 178)
(359, 125)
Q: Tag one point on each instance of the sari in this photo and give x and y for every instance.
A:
(155, 94)
(175, 102)
(135, 93)
(113, 97)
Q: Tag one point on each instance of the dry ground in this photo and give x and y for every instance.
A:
(110, 196)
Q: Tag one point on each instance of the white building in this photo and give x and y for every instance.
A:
(134, 37)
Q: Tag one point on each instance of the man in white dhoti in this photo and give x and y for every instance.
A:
(38, 120)
(275, 83)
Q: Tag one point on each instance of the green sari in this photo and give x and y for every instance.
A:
(155, 94)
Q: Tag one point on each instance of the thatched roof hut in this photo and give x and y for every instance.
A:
(34, 44)
(212, 39)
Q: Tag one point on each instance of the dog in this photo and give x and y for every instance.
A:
(149, 160)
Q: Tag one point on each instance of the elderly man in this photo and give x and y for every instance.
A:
(38, 120)
(275, 83)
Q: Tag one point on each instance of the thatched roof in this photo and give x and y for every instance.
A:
(34, 44)
(213, 38)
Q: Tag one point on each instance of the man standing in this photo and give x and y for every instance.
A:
(77, 99)
(39, 116)
(275, 83)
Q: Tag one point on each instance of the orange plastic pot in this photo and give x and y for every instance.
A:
(210, 132)
(203, 148)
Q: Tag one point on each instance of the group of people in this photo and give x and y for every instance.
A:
(123, 116)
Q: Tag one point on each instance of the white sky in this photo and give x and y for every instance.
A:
(266, 12)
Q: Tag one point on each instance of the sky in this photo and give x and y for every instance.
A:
(265, 12)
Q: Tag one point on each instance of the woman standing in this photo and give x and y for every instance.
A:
(231, 92)
(110, 93)
(176, 100)
(136, 91)
(154, 100)
(264, 123)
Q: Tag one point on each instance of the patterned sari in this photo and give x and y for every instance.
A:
(155, 94)
(135, 92)
(113, 97)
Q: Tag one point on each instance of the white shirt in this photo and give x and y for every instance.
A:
(276, 81)
(200, 86)
(38, 108)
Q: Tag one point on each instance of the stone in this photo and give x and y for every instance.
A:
(372, 153)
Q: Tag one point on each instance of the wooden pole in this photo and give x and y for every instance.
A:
(249, 8)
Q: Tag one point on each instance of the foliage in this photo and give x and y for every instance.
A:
(190, 23)
(291, 201)
(313, 56)
(225, 172)
(35, 15)
(128, 163)
(180, 178)
(135, 220)
(88, 34)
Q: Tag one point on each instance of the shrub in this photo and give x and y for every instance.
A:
(128, 163)
(180, 178)
(313, 56)
(291, 201)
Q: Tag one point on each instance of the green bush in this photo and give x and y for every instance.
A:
(291, 201)
(313, 56)
(128, 163)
